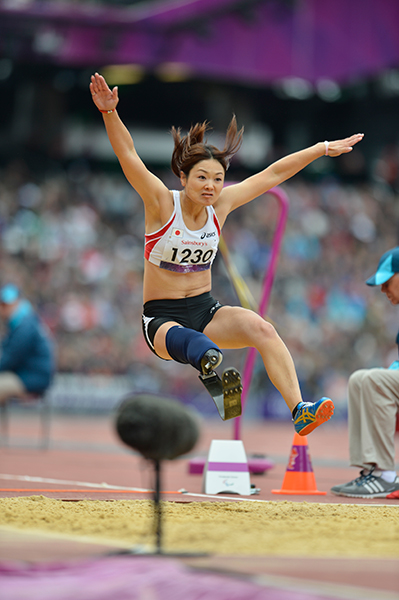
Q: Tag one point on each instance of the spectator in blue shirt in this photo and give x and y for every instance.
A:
(27, 360)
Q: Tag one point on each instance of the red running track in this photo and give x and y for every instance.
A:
(85, 454)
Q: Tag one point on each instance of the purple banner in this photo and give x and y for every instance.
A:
(228, 466)
(252, 42)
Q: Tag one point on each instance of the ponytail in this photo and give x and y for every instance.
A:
(193, 147)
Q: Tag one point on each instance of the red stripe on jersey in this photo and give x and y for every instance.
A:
(152, 238)
(216, 221)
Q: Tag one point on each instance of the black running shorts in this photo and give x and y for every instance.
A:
(194, 312)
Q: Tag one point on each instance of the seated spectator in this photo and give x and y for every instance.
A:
(373, 397)
(27, 360)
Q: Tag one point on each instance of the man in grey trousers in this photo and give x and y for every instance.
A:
(373, 404)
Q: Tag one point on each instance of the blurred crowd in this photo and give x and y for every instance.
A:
(72, 239)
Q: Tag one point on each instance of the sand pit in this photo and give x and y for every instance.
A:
(225, 528)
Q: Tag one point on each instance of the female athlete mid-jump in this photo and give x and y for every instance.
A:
(181, 319)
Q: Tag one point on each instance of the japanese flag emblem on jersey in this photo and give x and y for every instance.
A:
(177, 232)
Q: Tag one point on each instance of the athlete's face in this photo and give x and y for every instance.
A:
(391, 289)
(204, 182)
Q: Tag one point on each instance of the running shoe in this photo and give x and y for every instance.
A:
(367, 486)
(309, 415)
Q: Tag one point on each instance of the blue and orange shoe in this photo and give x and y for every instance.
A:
(309, 415)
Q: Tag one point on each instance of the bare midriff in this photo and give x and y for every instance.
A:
(160, 284)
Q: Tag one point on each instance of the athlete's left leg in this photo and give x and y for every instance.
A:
(237, 327)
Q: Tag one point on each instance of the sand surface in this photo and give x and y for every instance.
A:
(228, 528)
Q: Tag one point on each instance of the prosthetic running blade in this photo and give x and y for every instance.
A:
(226, 392)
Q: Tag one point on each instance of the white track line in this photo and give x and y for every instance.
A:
(74, 483)
(131, 489)
(238, 498)
(246, 499)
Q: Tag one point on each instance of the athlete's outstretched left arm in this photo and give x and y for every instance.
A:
(283, 169)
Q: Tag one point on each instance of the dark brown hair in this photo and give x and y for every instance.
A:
(192, 148)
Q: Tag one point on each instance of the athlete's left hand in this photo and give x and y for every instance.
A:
(339, 147)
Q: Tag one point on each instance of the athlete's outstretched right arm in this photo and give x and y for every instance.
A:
(148, 186)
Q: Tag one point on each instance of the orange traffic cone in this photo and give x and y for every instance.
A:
(299, 477)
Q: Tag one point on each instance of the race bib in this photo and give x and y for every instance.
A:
(188, 255)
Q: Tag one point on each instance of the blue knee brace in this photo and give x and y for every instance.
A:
(188, 346)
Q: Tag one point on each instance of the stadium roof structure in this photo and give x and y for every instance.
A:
(253, 42)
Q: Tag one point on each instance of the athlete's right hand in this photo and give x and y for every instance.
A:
(103, 97)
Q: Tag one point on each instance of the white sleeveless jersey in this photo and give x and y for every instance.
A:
(176, 248)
